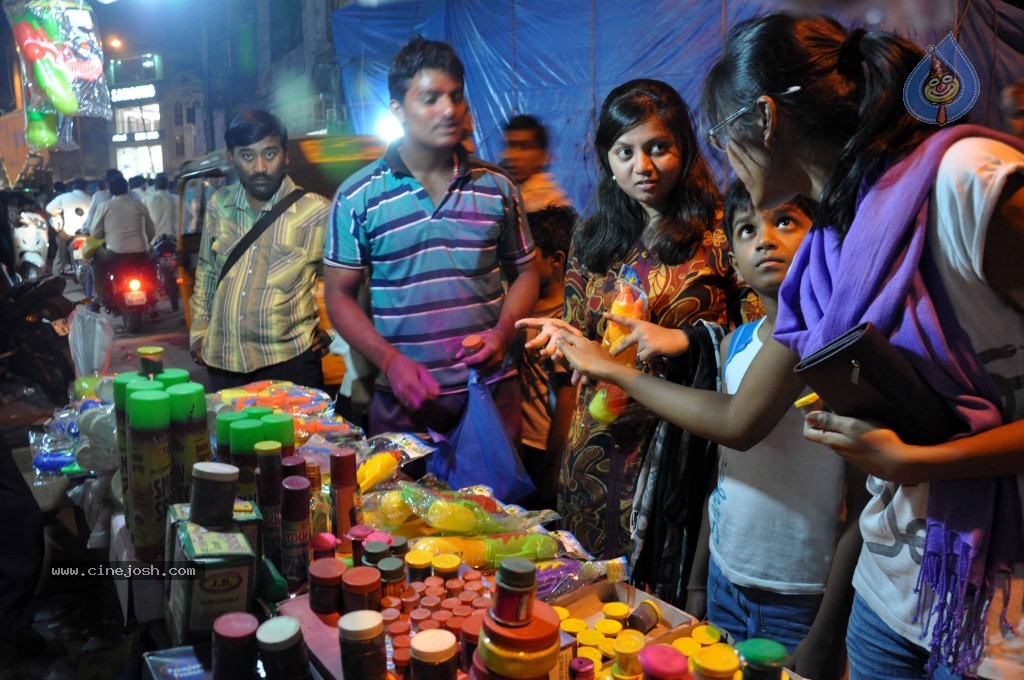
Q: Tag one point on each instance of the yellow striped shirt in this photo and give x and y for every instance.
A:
(264, 311)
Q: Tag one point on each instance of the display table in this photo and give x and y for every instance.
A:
(142, 598)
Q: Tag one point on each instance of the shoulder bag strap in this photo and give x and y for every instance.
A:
(258, 228)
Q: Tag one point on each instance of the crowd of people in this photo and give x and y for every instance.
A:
(827, 533)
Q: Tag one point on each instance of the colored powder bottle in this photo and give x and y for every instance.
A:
(268, 495)
(664, 662)
(363, 650)
(212, 501)
(257, 412)
(281, 428)
(295, 531)
(190, 438)
(243, 436)
(616, 611)
(234, 646)
(715, 662)
(173, 376)
(323, 545)
(581, 669)
(325, 585)
(346, 505)
(282, 649)
(399, 547)
(374, 552)
(151, 360)
(418, 563)
(360, 589)
(319, 508)
(446, 566)
(357, 535)
(762, 659)
(645, 617)
(471, 344)
(468, 639)
(223, 431)
(516, 584)
(120, 385)
(392, 576)
(528, 651)
(627, 659)
(149, 435)
(293, 466)
(434, 656)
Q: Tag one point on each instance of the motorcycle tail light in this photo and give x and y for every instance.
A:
(134, 284)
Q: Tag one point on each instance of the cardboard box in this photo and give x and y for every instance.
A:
(246, 515)
(226, 574)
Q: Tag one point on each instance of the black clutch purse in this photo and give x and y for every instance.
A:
(861, 375)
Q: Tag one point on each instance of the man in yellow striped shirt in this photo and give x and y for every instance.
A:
(260, 321)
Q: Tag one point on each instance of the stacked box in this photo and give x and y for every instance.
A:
(246, 515)
(224, 582)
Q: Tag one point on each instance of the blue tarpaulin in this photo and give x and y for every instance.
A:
(557, 59)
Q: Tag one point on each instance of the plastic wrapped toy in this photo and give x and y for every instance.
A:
(61, 66)
(558, 577)
(487, 552)
(609, 401)
(282, 396)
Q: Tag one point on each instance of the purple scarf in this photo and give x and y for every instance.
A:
(883, 273)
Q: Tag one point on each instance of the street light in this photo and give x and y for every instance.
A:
(114, 42)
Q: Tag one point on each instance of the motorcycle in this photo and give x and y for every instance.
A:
(129, 288)
(34, 349)
(31, 242)
(165, 252)
(79, 265)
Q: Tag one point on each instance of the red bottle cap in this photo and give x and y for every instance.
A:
(390, 602)
(361, 579)
(295, 499)
(463, 611)
(455, 625)
(327, 571)
(293, 466)
(454, 586)
(399, 628)
(482, 603)
(540, 633)
(435, 591)
(418, 616)
(441, 616)
(400, 642)
(418, 587)
(434, 581)
(472, 575)
(429, 624)
(467, 597)
(471, 628)
(235, 628)
(430, 602)
(343, 467)
(401, 655)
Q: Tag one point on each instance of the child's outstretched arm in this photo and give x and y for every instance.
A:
(738, 421)
(816, 655)
(651, 340)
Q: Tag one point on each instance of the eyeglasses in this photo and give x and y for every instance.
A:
(719, 134)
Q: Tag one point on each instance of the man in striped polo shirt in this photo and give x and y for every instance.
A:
(434, 229)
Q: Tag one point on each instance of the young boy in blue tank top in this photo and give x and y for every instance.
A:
(777, 567)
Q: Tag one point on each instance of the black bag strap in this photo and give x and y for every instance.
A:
(258, 228)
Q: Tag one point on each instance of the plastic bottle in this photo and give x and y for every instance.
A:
(281, 428)
(715, 662)
(357, 535)
(319, 507)
(293, 466)
(149, 422)
(234, 646)
(243, 436)
(434, 656)
(295, 531)
(325, 585)
(762, 659)
(223, 431)
(363, 651)
(515, 587)
(120, 385)
(173, 376)
(151, 360)
(257, 412)
(346, 505)
(282, 649)
(268, 495)
(581, 669)
(190, 438)
(360, 589)
(645, 617)
(627, 659)
(392, 574)
(418, 563)
(212, 499)
(663, 662)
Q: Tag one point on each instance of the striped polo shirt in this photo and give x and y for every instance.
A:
(435, 271)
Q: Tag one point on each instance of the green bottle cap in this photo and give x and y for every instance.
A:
(763, 652)
(120, 381)
(280, 427)
(149, 410)
(257, 412)
(223, 426)
(173, 376)
(243, 435)
(141, 386)
(188, 402)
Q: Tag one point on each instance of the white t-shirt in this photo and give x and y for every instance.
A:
(970, 179)
(775, 510)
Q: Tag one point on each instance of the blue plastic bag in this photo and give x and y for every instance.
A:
(478, 450)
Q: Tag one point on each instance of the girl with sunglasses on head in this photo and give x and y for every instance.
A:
(919, 232)
(656, 209)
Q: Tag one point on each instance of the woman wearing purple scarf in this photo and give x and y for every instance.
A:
(919, 232)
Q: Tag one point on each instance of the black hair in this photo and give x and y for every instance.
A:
(136, 182)
(420, 54)
(79, 184)
(118, 186)
(552, 228)
(855, 102)
(737, 200)
(617, 221)
(111, 173)
(161, 181)
(250, 126)
(524, 122)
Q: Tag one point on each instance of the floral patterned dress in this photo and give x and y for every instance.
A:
(601, 464)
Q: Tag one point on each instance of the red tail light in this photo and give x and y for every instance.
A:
(134, 284)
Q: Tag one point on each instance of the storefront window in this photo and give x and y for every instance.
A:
(140, 160)
(141, 118)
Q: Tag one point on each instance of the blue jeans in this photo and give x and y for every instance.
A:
(877, 652)
(751, 612)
